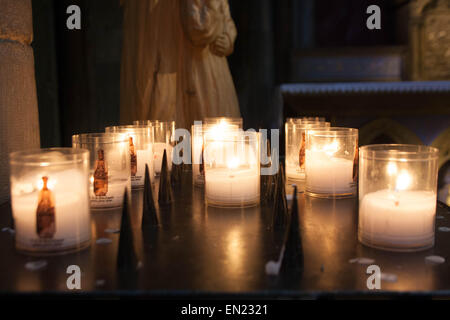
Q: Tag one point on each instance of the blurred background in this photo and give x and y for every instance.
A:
(291, 58)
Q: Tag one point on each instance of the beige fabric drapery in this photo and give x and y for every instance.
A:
(19, 120)
(174, 64)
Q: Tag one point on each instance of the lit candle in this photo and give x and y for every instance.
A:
(50, 203)
(232, 176)
(215, 128)
(330, 159)
(397, 194)
(109, 167)
(295, 132)
(232, 186)
(140, 150)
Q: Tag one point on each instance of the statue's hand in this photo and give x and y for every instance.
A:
(222, 45)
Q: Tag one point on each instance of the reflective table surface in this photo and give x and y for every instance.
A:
(200, 251)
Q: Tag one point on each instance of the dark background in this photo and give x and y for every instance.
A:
(78, 71)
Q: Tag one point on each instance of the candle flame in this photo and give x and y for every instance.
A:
(391, 168)
(332, 148)
(233, 163)
(50, 184)
(403, 181)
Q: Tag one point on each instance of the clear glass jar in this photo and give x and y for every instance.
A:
(232, 172)
(331, 162)
(197, 132)
(140, 140)
(397, 196)
(306, 119)
(164, 139)
(50, 200)
(295, 137)
(109, 167)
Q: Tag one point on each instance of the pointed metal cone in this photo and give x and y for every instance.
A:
(126, 258)
(165, 187)
(292, 260)
(149, 215)
(280, 208)
(176, 173)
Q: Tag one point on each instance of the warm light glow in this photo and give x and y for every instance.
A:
(332, 148)
(403, 181)
(233, 163)
(50, 184)
(391, 168)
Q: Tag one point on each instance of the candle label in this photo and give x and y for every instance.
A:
(101, 175)
(302, 152)
(45, 213)
(133, 158)
(355, 163)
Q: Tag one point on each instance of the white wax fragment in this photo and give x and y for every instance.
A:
(36, 265)
(289, 197)
(273, 268)
(435, 259)
(100, 282)
(388, 277)
(444, 229)
(361, 260)
(112, 230)
(103, 241)
(6, 229)
(439, 217)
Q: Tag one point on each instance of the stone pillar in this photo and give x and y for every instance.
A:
(19, 124)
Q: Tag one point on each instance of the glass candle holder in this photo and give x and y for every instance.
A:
(164, 139)
(232, 172)
(331, 162)
(306, 119)
(140, 139)
(397, 196)
(50, 200)
(109, 166)
(295, 138)
(216, 126)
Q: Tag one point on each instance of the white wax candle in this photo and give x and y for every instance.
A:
(328, 174)
(71, 211)
(158, 153)
(389, 218)
(232, 187)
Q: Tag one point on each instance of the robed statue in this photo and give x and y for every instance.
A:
(174, 61)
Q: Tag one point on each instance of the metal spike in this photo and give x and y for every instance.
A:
(149, 215)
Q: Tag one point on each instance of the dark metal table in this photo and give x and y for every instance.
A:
(209, 252)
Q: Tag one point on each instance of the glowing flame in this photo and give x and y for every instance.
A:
(391, 168)
(50, 184)
(233, 163)
(331, 148)
(403, 181)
